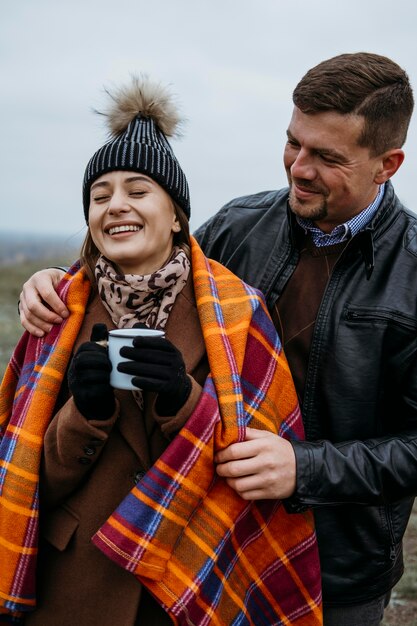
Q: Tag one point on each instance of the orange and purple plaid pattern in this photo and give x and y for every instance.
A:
(27, 399)
(208, 556)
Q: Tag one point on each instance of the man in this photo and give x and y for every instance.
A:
(335, 254)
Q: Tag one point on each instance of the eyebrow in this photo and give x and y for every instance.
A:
(326, 151)
(131, 179)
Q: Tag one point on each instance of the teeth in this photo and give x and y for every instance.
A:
(123, 229)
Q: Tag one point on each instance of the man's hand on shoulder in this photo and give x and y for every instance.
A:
(39, 305)
(261, 467)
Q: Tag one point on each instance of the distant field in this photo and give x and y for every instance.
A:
(403, 607)
(17, 248)
(12, 278)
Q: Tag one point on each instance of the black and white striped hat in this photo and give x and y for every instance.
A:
(140, 119)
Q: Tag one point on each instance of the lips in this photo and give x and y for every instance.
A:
(123, 228)
(302, 190)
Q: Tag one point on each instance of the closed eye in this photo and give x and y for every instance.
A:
(293, 143)
(328, 158)
(331, 157)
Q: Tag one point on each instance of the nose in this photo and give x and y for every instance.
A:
(118, 202)
(303, 166)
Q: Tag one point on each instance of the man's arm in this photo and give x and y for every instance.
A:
(218, 238)
(39, 305)
(371, 472)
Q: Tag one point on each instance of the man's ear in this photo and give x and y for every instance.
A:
(390, 162)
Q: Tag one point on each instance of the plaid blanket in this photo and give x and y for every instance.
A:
(207, 555)
(27, 400)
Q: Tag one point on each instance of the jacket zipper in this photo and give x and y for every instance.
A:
(382, 316)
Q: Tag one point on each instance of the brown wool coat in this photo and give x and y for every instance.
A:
(88, 468)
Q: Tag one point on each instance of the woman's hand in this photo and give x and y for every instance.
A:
(39, 305)
(89, 377)
(157, 365)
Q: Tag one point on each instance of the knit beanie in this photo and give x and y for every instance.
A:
(140, 118)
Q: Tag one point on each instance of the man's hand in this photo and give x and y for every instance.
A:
(261, 467)
(39, 305)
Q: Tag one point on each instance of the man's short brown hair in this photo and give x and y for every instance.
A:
(365, 84)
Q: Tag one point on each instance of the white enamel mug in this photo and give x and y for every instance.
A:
(124, 337)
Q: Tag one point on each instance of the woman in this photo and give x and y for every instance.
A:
(115, 491)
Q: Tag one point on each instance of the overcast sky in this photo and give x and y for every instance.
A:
(231, 63)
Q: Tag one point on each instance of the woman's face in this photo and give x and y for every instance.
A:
(132, 221)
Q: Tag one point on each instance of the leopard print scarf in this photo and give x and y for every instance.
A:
(147, 298)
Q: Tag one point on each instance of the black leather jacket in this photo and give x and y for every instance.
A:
(358, 467)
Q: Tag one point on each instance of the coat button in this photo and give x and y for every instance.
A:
(89, 450)
(84, 460)
(138, 476)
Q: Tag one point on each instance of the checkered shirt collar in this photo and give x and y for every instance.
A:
(346, 230)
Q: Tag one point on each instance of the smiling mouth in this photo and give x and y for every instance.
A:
(124, 229)
(301, 189)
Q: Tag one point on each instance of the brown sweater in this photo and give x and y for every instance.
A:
(295, 312)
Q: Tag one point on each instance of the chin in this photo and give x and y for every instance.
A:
(308, 211)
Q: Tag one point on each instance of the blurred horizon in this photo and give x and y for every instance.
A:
(17, 246)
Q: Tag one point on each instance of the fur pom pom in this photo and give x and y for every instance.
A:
(146, 98)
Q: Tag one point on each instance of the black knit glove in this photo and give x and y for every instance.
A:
(157, 365)
(89, 377)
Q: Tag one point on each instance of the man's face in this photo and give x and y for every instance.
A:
(331, 177)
